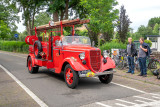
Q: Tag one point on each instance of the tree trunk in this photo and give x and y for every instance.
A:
(62, 14)
(99, 40)
(33, 21)
(92, 35)
(66, 9)
(55, 17)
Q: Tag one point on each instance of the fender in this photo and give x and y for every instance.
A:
(32, 58)
(109, 65)
(75, 64)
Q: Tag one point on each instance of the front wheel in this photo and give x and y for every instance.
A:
(30, 68)
(71, 77)
(106, 78)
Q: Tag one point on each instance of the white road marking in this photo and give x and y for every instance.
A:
(144, 98)
(121, 105)
(154, 94)
(153, 104)
(99, 103)
(141, 101)
(33, 96)
(127, 87)
(156, 97)
(130, 88)
(125, 101)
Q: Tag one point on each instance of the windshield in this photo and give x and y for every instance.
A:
(76, 40)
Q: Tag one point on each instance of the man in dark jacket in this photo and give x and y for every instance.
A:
(144, 51)
(131, 52)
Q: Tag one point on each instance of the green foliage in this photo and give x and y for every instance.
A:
(8, 13)
(82, 33)
(113, 45)
(61, 9)
(14, 46)
(143, 31)
(153, 21)
(4, 30)
(148, 42)
(156, 29)
(41, 19)
(101, 14)
(22, 36)
(30, 9)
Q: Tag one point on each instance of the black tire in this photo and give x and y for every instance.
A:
(106, 78)
(75, 77)
(37, 45)
(30, 68)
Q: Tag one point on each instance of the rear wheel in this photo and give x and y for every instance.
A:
(106, 78)
(30, 68)
(70, 76)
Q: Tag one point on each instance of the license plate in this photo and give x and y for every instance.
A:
(90, 74)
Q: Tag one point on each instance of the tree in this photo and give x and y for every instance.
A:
(41, 19)
(61, 9)
(153, 21)
(101, 14)
(156, 29)
(29, 9)
(22, 36)
(123, 24)
(143, 31)
(8, 13)
(4, 30)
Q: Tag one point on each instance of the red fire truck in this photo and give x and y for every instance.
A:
(73, 56)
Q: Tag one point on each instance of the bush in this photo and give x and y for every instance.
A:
(113, 45)
(148, 42)
(14, 46)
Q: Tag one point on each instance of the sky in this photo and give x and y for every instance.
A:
(139, 12)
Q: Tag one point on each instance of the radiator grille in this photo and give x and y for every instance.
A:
(95, 59)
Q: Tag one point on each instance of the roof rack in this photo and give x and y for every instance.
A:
(63, 23)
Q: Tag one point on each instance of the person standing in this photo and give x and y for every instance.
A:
(142, 55)
(131, 52)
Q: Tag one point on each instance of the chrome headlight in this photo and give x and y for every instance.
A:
(82, 55)
(105, 54)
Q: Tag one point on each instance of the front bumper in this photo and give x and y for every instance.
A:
(91, 74)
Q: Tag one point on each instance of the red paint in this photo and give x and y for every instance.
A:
(69, 76)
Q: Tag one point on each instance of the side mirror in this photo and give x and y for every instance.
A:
(93, 43)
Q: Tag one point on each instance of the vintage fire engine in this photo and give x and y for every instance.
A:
(73, 56)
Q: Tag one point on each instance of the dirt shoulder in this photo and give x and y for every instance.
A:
(12, 95)
(149, 79)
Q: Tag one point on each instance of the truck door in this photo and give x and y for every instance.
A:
(57, 58)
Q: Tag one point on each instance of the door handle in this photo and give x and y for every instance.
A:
(59, 52)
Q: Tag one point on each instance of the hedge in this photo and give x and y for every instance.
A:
(14, 46)
(113, 45)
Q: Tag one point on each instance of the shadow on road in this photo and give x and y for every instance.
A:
(84, 83)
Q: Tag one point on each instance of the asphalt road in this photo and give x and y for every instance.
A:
(52, 90)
